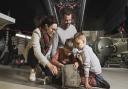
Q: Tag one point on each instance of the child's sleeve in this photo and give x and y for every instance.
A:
(86, 63)
(72, 59)
(55, 58)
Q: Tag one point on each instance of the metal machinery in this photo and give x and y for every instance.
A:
(112, 50)
(4, 39)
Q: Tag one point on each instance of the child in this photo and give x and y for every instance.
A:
(91, 63)
(64, 56)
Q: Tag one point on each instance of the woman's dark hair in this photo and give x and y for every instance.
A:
(47, 20)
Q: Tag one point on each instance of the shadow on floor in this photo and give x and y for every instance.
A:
(20, 76)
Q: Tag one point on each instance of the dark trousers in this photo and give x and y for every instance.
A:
(33, 62)
(101, 82)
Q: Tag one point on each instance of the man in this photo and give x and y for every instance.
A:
(65, 31)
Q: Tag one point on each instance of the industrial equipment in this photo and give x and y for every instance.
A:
(112, 50)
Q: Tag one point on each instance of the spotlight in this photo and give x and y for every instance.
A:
(23, 36)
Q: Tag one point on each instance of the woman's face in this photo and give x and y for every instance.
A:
(52, 29)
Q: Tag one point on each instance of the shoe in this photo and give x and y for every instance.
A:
(32, 76)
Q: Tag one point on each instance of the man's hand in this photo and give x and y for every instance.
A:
(52, 68)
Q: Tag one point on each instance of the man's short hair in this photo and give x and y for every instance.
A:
(67, 11)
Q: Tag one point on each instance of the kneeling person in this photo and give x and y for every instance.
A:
(91, 64)
(64, 56)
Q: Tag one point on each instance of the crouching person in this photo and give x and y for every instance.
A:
(40, 47)
(91, 65)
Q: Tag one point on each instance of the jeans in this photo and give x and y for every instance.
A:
(101, 82)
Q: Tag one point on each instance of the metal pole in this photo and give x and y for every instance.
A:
(83, 3)
(50, 7)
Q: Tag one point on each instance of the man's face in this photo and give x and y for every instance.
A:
(67, 20)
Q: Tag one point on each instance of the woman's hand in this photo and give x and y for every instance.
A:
(52, 68)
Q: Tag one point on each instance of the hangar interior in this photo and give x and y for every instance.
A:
(104, 23)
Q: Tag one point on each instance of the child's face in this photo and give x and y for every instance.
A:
(79, 43)
(67, 51)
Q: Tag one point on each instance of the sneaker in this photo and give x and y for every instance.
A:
(32, 76)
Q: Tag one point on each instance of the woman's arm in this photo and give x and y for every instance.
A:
(37, 48)
(39, 55)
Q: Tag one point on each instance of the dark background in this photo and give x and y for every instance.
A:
(99, 14)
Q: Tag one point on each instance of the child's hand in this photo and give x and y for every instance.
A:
(61, 65)
(87, 86)
(76, 65)
(80, 58)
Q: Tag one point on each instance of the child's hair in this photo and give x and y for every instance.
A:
(69, 44)
(80, 36)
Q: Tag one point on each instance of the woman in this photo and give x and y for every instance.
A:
(40, 50)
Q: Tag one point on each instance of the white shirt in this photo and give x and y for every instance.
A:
(61, 36)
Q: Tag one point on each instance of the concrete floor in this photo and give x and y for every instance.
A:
(17, 78)
(117, 77)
